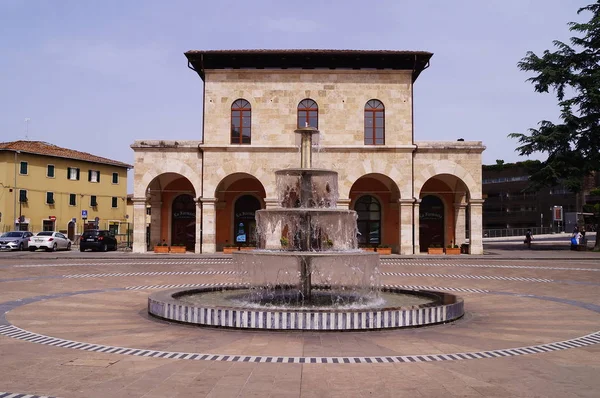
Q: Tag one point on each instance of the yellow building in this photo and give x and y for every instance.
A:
(45, 187)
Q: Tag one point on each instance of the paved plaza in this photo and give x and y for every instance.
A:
(75, 325)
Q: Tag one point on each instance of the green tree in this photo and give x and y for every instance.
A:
(573, 73)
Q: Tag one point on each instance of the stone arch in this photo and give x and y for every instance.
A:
(453, 193)
(447, 167)
(227, 192)
(386, 191)
(175, 166)
(385, 172)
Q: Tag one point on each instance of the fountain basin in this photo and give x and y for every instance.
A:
(440, 308)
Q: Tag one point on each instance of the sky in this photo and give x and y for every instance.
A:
(95, 76)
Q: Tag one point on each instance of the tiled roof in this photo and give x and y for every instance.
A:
(46, 149)
(310, 51)
(203, 60)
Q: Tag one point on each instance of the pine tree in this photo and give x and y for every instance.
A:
(573, 73)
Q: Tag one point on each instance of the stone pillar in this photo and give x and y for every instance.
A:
(343, 204)
(406, 225)
(460, 223)
(272, 203)
(155, 222)
(139, 225)
(476, 226)
(209, 225)
(417, 245)
(198, 244)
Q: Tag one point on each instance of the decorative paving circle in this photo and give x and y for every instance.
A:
(9, 330)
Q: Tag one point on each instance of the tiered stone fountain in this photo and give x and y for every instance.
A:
(307, 273)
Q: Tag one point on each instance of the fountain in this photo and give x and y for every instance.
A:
(307, 272)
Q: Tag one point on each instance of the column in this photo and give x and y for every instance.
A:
(406, 225)
(198, 244)
(460, 223)
(343, 204)
(139, 225)
(272, 203)
(209, 225)
(155, 222)
(476, 226)
(416, 218)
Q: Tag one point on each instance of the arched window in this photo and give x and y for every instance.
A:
(240, 122)
(368, 210)
(308, 112)
(374, 123)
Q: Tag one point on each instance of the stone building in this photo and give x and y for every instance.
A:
(408, 194)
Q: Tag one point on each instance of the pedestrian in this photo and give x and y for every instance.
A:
(528, 238)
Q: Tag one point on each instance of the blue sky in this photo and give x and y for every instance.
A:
(97, 75)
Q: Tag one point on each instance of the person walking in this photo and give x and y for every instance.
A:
(528, 238)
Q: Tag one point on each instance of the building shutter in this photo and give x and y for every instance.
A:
(77, 174)
(89, 175)
(98, 175)
(68, 173)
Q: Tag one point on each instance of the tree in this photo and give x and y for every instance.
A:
(573, 73)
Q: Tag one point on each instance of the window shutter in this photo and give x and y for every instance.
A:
(68, 173)
(98, 175)
(89, 175)
(77, 174)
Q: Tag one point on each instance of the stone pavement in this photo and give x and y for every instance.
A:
(76, 326)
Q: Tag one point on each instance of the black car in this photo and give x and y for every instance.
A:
(97, 239)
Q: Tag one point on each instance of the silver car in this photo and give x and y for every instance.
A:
(49, 240)
(15, 240)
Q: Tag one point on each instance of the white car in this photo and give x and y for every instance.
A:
(49, 240)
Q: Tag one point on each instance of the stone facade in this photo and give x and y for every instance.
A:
(398, 174)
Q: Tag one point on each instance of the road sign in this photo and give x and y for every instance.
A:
(84, 214)
(52, 218)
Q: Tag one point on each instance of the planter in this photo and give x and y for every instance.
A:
(161, 249)
(178, 249)
(453, 250)
(435, 250)
(229, 250)
(247, 248)
(368, 249)
(384, 251)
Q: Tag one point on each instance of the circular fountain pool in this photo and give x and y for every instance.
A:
(308, 273)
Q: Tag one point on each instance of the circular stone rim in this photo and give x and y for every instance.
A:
(164, 305)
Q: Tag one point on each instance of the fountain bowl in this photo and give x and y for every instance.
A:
(168, 304)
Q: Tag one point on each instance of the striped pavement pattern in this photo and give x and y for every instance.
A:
(16, 395)
(447, 289)
(407, 287)
(20, 334)
(150, 273)
(147, 287)
(157, 262)
(422, 264)
(483, 277)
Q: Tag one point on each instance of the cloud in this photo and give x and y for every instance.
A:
(290, 25)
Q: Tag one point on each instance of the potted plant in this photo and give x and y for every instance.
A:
(178, 248)
(366, 247)
(229, 248)
(452, 249)
(284, 242)
(161, 247)
(245, 246)
(384, 250)
(435, 249)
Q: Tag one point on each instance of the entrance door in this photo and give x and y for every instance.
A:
(431, 222)
(244, 223)
(183, 227)
(368, 210)
(71, 231)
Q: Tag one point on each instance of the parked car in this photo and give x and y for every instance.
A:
(97, 239)
(15, 240)
(49, 240)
